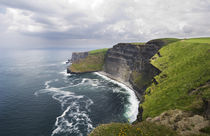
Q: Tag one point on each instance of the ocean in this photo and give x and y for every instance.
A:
(38, 97)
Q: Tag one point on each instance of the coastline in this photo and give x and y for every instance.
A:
(119, 80)
(133, 99)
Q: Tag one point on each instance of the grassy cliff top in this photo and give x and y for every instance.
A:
(104, 50)
(184, 80)
(137, 43)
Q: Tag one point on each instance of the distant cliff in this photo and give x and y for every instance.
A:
(83, 62)
(76, 56)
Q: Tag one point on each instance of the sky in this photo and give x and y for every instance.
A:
(99, 23)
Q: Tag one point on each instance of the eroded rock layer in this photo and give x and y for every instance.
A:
(130, 63)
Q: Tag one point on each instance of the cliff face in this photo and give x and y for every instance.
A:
(76, 56)
(130, 63)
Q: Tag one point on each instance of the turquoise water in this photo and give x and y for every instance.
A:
(38, 98)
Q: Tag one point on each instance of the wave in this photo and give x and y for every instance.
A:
(74, 119)
(67, 63)
(86, 81)
(64, 62)
(132, 109)
(65, 73)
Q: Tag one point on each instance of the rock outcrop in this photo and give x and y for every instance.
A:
(182, 122)
(76, 56)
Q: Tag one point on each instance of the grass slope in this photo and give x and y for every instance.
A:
(183, 82)
(93, 62)
(140, 129)
(103, 51)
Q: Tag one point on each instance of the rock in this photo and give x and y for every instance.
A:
(68, 70)
(139, 116)
(149, 119)
(206, 108)
(192, 125)
(124, 59)
(76, 56)
(183, 122)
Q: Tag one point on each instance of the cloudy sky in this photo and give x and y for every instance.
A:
(98, 23)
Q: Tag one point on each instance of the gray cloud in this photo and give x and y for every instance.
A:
(104, 22)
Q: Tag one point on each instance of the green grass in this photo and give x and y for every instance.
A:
(104, 50)
(141, 79)
(140, 129)
(185, 66)
(167, 40)
(199, 40)
(137, 43)
(93, 62)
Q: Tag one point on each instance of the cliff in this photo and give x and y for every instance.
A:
(171, 76)
(76, 56)
(83, 62)
(130, 63)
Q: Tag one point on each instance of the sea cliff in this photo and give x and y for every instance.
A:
(170, 77)
(83, 62)
(128, 63)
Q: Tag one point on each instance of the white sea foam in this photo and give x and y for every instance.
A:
(64, 62)
(132, 110)
(74, 118)
(86, 81)
(65, 73)
(117, 90)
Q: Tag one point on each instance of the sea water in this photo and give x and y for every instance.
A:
(38, 97)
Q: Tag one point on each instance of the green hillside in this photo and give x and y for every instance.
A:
(185, 67)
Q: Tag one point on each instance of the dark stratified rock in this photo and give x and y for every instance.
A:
(76, 56)
(206, 108)
(131, 63)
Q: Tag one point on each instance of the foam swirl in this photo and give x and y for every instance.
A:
(74, 119)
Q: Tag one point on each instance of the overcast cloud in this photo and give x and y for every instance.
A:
(99, 23)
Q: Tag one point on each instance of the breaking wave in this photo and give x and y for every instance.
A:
(132, 109)
(64, 73)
